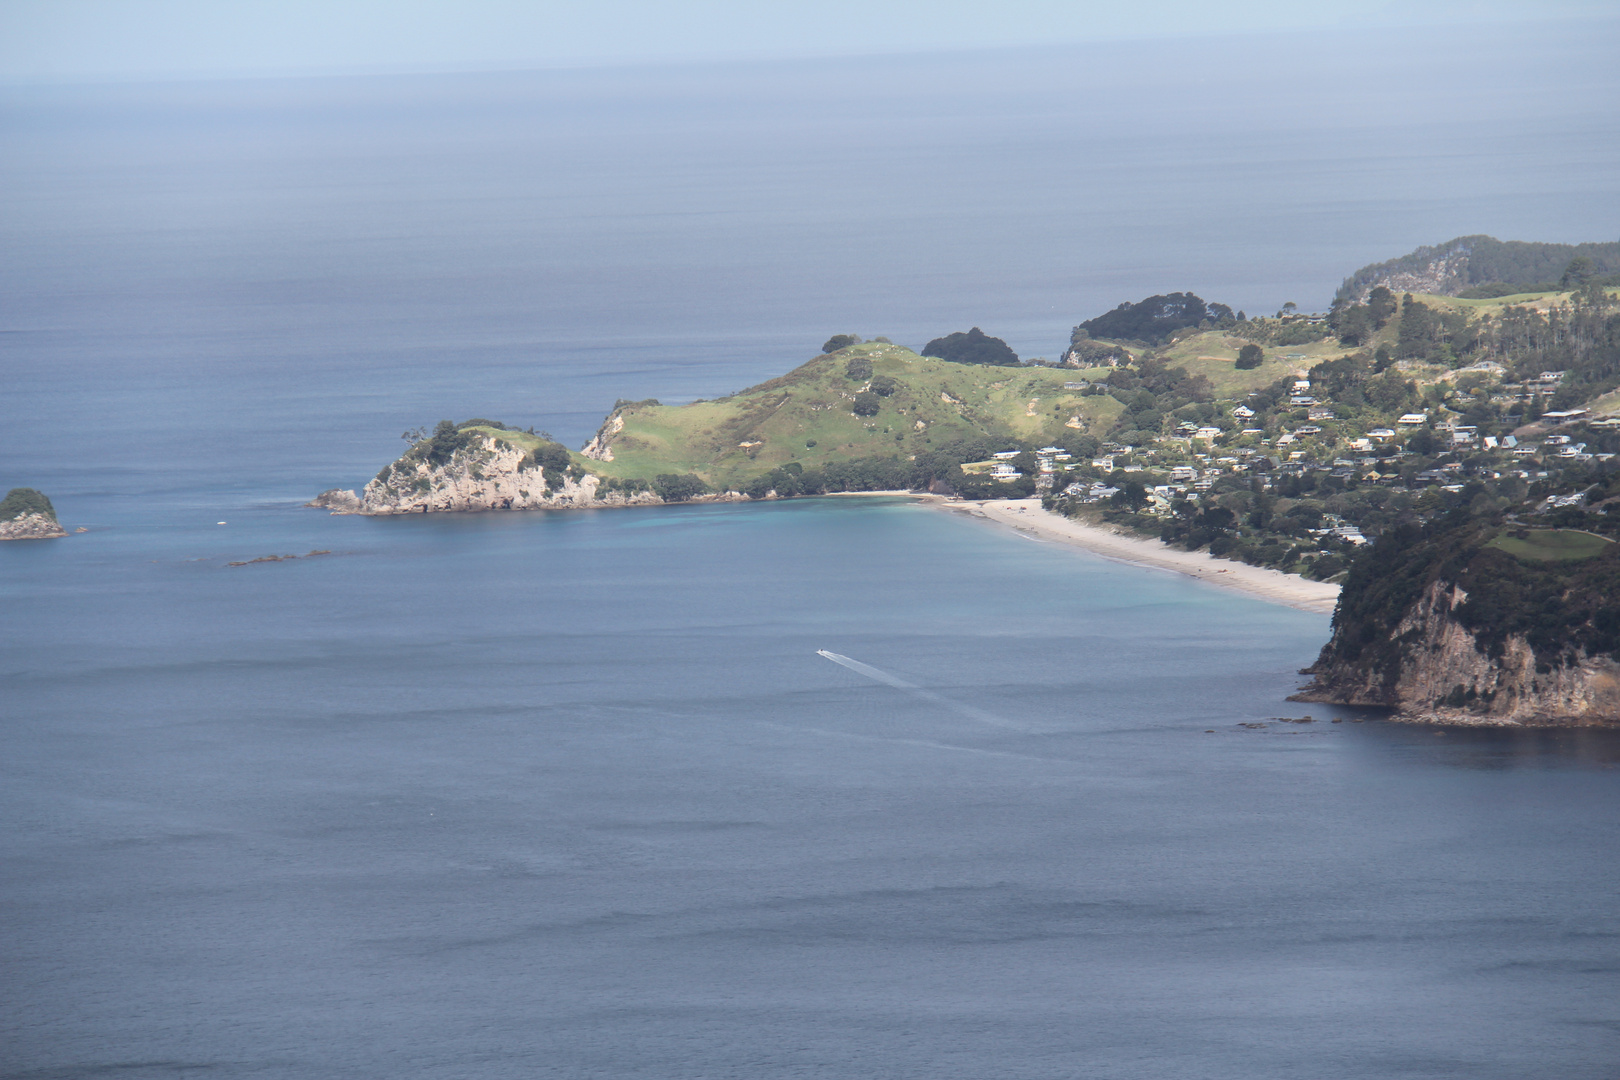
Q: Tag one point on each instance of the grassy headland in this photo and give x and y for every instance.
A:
(910, 407)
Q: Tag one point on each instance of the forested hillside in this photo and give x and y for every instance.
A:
(1481, 267)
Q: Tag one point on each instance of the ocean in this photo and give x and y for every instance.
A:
(575, 794)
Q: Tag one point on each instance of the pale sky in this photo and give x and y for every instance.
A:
(51, 40)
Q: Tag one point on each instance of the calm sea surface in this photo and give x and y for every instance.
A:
(573, 795)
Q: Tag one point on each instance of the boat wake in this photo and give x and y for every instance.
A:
(879, 675)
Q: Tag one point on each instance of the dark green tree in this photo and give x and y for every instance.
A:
(678, 487)
(972, 347)
(1381, 306)
(1131, 495)
(1580, 270)
(1249, 357)
(840, 341)
(1152, 320)
(1354, 325)
(20, 501)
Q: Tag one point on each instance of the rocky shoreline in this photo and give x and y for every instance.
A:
(1444, 676)
(32, 526)
(488, 474)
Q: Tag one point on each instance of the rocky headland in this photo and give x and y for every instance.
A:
(479, 466)
(1479, 622)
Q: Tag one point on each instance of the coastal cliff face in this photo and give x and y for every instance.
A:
(486, 474)
(1447, 628)
(1444, 676)
(600, 448)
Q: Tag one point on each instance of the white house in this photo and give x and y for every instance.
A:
(1414, 418)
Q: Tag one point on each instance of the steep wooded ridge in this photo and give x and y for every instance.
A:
(1483, 266)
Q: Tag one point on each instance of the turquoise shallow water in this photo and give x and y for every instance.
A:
(530, 794)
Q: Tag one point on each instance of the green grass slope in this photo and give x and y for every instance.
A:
(1551, 545)
(807, 416)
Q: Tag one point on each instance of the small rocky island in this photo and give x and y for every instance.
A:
(26, 514)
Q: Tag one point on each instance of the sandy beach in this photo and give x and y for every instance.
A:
(1027, 517)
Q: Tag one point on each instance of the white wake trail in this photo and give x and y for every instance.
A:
(886, 679)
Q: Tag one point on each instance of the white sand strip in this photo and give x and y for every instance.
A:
(1027, 517)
